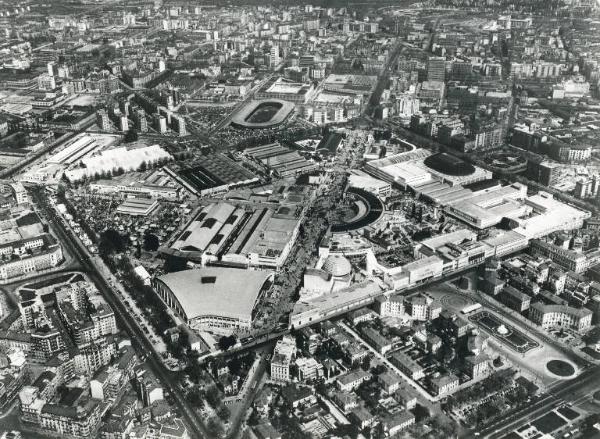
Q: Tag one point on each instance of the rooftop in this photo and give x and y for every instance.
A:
(226, 292)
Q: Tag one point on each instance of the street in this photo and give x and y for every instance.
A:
(138, 339)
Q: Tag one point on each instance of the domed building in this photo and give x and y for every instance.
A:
(334, 274)
(338, 266)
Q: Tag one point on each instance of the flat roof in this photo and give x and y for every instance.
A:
(452, 237)
(405, 171)
(217, 291)
(137, 206)
(208, 223)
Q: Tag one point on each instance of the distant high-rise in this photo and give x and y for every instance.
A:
(178, 125)
(52, 69)
(124, 107)
(140, 121)
(46, 82)
(436, 68)
(123, 123)
(274, 56)
(160, 123)
(102, 120)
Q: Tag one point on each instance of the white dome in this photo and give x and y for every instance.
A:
(337, 265)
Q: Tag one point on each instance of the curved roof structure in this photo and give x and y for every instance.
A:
(449, 165)
(216, 291)
(337, 265)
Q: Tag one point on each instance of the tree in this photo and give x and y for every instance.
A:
(254, 418)
(130, 136)
(111, 242)
(223, 413)
(366, 363)
(143, 166)
(214, 427)
(174, 263)
(194, 397)
(445, 426)
(213, 396)
(195, 372)
(421, 412)
(61, 191)
(342, 430)
(151, 242)
(226, 342)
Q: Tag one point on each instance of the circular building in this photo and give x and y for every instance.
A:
(367, 209)
(447, 164)
(267, 113)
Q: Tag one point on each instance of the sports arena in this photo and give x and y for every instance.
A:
(266, 113)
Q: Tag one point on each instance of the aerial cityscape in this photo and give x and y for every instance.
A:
(236, 219)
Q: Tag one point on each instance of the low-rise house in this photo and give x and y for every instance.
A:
(361, 315)
(362, 417)
(355, 353)
(477, 365)
(407, 365)
(515, 299)
(406, 397)
(308, 369)
(294, 395)
(398, 422)
(380, 343)
(344, 400)
(352, 380)
(266, 431)
(444, 384)
(390, 382)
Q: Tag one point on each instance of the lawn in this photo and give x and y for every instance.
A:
(568, 413)
(592, 352)
(549, 422)
(560, 368)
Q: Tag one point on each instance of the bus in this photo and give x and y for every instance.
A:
(470, 309)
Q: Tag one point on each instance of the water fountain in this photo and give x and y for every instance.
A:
(502, 330)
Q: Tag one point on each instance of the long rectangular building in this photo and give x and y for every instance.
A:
(260, 235)
(282, 160)
(548, 316)
(568, 259)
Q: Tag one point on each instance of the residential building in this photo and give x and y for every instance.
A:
(407, 365)
(444, 384)
(352, 380)
(549, 316)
